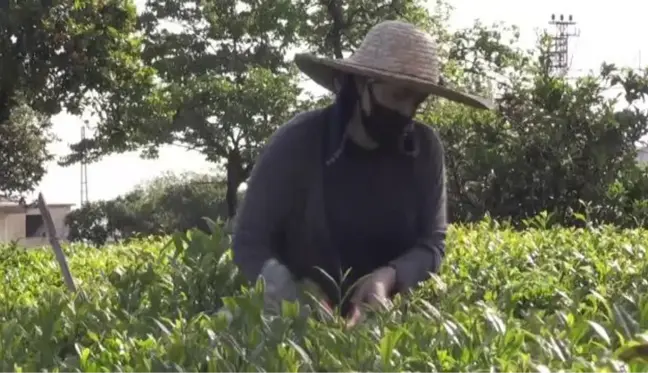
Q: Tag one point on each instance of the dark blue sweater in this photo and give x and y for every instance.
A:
(370, 202)
(364, 210)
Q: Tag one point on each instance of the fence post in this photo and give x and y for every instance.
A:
(56, 245)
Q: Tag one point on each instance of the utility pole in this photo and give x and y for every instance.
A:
(84, 172)
(559, 55)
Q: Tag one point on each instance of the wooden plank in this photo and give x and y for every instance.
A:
(56, 245)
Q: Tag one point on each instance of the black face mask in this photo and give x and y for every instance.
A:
(384, 125)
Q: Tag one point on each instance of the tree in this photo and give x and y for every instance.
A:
(23, 150)
(335, 28)
(56, 55)
(167, 204)
(552, 144)
(224, 85)
(88, 223)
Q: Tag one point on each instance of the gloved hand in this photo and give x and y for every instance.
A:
(279, 286)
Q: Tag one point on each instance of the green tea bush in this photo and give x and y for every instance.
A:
(169, 203)
(534, 300)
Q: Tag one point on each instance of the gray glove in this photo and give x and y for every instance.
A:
(279, 285)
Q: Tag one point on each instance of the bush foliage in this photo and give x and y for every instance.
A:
(167, 204)
(536, 300)
(553, 145)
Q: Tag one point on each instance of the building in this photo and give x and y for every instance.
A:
(25, 225)
(642, 155)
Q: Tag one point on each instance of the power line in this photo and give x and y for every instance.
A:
(84, 172)
(559, 55)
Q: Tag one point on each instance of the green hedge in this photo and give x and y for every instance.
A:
(572, 299)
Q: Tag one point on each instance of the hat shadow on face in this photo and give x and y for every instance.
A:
(399, 98)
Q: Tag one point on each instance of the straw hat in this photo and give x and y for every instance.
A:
(393, 52)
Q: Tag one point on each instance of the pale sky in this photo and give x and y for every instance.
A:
(609, 31)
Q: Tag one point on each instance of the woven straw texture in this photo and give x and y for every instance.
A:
(395, 52)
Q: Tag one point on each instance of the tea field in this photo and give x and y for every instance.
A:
(533, 300)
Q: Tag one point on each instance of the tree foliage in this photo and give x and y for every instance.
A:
(167, 204)
(335, 28)
(56, 55)
(552, 146)
(23, 150)
(224, 84)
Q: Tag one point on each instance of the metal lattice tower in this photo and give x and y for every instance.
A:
(559, 54)
(84, 173)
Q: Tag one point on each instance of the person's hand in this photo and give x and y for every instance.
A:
(373, 291)
(279, 285)
(314, 295)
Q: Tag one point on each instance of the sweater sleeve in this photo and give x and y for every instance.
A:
(268, 199)
(425, 257)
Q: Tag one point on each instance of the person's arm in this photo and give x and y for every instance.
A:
(267, 200)
(426, 256)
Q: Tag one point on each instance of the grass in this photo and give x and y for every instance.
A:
(533, 300)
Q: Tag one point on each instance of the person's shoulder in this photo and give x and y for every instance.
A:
(430, 134)
(299, 126)
(297, 134)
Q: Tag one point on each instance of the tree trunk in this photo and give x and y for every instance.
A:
(236, 175)
(231, 197)
(5, 107)
(334, 8)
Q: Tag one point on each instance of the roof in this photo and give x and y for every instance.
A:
(11, 208)
(60, 204)
(9, 205)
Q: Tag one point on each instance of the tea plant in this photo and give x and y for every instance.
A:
(533, 300)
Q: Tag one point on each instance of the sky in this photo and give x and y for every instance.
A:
(609, 32)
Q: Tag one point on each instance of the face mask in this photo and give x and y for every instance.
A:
(384, 125)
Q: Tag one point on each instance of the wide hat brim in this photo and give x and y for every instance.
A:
(324, 71)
